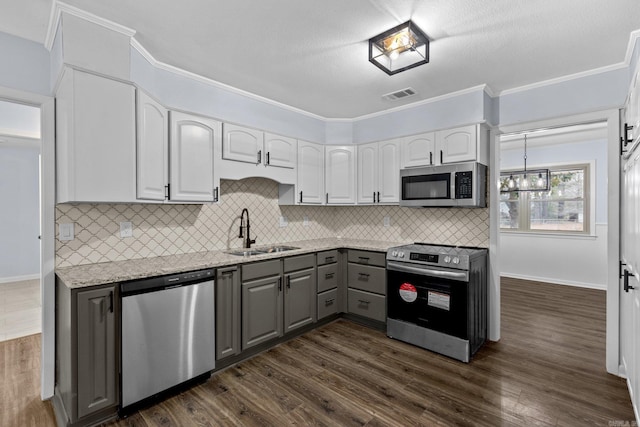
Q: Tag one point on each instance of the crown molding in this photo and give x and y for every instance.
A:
(56, 14)
(484, 88)
(210, 82)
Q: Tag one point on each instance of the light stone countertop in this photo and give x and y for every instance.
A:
(119, 271)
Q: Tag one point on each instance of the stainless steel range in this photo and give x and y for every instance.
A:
(437, 297)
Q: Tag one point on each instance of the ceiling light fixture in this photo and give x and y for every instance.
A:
(512, 181)
(400, 48)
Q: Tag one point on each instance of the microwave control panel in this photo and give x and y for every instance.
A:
(464, 185)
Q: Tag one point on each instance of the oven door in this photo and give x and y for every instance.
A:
(428, 297)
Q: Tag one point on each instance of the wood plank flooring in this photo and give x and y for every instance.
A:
(20, 309)
(547, 370)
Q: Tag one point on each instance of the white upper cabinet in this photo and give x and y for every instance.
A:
(379, 172)
(388, 171)
(457, 145)
(252, 153)
(632, 110)
(152, 148)
(340, 174)
(367, 172)
(310, 173)
(463, 144)
(193, 141)
(279, 151)
(418, 150)
(95, 139)
(242, 144)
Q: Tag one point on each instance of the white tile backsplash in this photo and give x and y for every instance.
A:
(164, 229)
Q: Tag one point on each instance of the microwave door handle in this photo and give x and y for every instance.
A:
(453, 275)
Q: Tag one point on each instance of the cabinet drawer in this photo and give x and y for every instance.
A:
(327, 277)
(365, 257)
(301, 262)
(327, 257)
(367, 304)
(366, 278)
(261, 269)
(327, 303)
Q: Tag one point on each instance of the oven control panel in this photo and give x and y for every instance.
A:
(427, 258)
(415, 256)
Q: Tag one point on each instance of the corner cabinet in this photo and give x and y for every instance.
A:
(191, 154)
(340, 174)
(378, 172)
(87, 367)
(95, 139)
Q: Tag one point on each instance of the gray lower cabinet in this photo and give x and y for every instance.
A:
(327, 303)
(228, 320)
(87, 365)
(366, 284)
(299, 299)
(261, 310)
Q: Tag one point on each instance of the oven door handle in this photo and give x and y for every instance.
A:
(453, 275)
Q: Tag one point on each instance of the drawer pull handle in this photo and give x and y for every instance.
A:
(363, 274)
(364, 258)
(228, 273)
(328, 276)
(329, 259)
(329, 302)
(362, 301)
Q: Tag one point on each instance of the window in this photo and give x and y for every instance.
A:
(562, 209)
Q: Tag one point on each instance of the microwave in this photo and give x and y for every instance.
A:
(454, 185)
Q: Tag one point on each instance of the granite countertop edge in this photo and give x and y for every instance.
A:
(87, 275)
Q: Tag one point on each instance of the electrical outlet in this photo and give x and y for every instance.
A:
(66, 231)
(305, 221)
(283, 221)
(126, 229)
(387, 221)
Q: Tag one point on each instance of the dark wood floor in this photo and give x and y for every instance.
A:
(548, 369)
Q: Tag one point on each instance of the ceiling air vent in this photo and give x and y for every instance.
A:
(404, 93)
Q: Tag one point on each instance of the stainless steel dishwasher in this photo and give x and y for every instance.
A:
(168, 333)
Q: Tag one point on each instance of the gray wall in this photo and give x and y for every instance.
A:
(25, 65)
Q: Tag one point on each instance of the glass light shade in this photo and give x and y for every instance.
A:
(399, 49)
(529, 180)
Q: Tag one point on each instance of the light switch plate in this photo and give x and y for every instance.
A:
(126, 229)
(66, 231)
(305, 221)
(284, 221)
(387, 221)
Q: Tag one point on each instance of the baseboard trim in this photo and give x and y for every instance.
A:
(19, 278)
(601, 287)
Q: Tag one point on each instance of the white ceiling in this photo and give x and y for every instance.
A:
(313, 55)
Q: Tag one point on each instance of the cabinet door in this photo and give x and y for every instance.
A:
(299, 299)
(340, 174)
(389, 171)
(368, 173)
(310, 173)
(152, 148)
(457, 145)
(97, 369)
(261, 310)
(280, 151)
(418, 150)
(242, 144)
(191, 157)
(227, 312)
(95, 139)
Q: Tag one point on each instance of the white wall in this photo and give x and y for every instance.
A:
(20, 215)
(571, 260)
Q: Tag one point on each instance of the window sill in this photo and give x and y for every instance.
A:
(590, 236)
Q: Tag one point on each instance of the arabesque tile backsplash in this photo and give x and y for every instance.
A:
(162, 229)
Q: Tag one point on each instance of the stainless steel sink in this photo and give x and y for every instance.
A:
(273, 249)
(246, 252)
(260, 251)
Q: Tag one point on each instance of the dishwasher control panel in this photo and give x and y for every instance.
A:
(157, 283)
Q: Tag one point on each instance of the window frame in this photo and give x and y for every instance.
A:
(588, 199)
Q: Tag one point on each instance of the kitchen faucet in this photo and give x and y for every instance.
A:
(247, 242)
